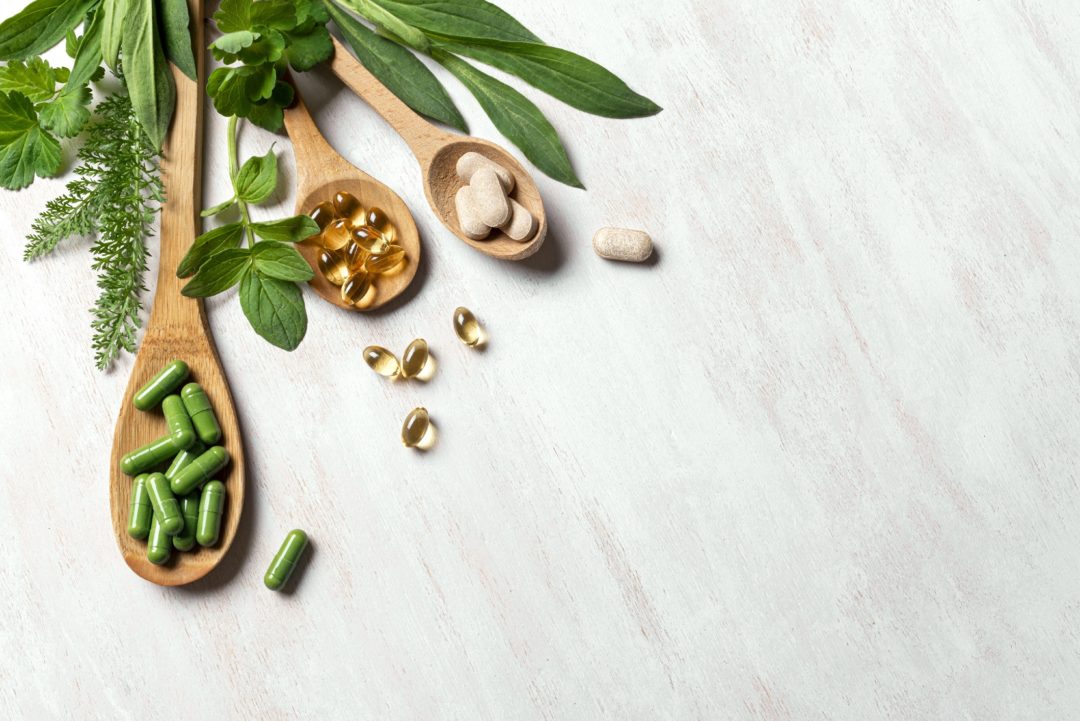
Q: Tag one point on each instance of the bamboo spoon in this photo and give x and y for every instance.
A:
(438, 152)
(178, 329)
(320, 173)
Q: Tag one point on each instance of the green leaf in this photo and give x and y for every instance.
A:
(516, 117)
(175, 22)
(68, 114)
(268, 115)
(275, 14)
(219, 208)
(382, 18)
(112, 15)
(226, 270)
(208, 245)
(232, 43)
(281, 261)
(306, 50)
(33, 78)
(399, 70)
(233, 15)
(459, 19)
(25, 149)
(227, 87)
(292, 229)
(577, 81)
(39, 26)
(71, 44)
(87, 63)
(257, 178)
(275, 309)
(146, 72)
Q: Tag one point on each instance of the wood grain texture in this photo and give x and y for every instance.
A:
(818, 460)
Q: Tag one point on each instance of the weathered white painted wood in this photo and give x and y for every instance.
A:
(816, 461)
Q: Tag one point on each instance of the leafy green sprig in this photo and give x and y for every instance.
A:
(257, 256)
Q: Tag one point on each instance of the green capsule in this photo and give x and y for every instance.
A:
(211, 503)
(165, 382)
(184, 458)
(202, 413)
(166, 507)
(189, 507)
(142, 511)
(158, 544)
(178, 421)
(199, 471)
(151, 455)
(285, 560)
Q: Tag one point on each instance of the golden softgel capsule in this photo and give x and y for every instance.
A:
(358, 289)
(388, 262)
(336, 235)
(348, 208)
(467, 327)
(416, 431)
(415, 358)
(382, 361)
(334, 266)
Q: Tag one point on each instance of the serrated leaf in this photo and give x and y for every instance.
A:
(149, 82)
(275, 309)
(576, 80)
(208, 245)
(306, 50)
(516, 117)
(32, 78)
(279, 260)
(67, 115)
(112, 14)
(257, 178)
(276, 14)
(229, 44)
(175, 23)
(219, 208)
(25, 149)
(39, 26)
(233, 15)
(226, 270)
(460, 19)
(399, 70)
(227, 87)
(292, 229)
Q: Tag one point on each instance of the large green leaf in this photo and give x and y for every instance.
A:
(516, 117)
(291, 230)
(399, 70)
(275, 309)
(459, 19)
(225, 271)
(573, 79)
(175, 22)
(149, 82)
(280, 260)
(39, 26)
(209, 244)
(112, 15)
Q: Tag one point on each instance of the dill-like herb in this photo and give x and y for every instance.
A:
(115, 196)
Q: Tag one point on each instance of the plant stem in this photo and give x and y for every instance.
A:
(233, 134)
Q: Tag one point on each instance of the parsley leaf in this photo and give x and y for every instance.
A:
(25, 149)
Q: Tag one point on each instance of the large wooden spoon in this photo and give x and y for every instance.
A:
(320, 173)
(438, 152)
(178, 329)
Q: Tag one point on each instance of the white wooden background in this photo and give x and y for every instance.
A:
(818, 461)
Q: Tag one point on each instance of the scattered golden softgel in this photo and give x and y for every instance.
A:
(418, 431)
(415, 358)
(382, 361)
(356, 247)
(468, 328)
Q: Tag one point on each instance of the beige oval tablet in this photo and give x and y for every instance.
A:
(470, 162)
(522, 224)
(469, 224)
(632, 246)
(487, 201)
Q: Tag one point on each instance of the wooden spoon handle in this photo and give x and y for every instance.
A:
(181, 173)
(423, 138)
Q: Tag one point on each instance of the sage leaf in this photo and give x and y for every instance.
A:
(281, 261)
(257, 178)
(291, 230)
(146, 72)
(459, 19)
(516, 117)
(175, 22)
(228, 268)
(403, 32)
(275, 309)
(88, 57)
(39, 26)
(219, 208)
(399, 70)
(112, 14)
(573, 79)
(208, 245)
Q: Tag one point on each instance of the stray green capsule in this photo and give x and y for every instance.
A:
(189, 507)
(149, 456)
(202, 413)
(178, 421)
(285, 560)
(166, 507)
(184, 458)
(211, 502)
(165, 382)
(199, 471)
(158, 544)
(142, 511)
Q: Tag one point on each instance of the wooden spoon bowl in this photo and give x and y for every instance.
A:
(177, 329)
(437, 152)
(322, 172)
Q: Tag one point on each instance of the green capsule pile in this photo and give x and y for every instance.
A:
(175, 504)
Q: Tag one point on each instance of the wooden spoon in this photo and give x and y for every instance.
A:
(178, 329)
(320, 173)
(438, 152)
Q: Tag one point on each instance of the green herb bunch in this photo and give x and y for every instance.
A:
(117, 188)
(257, 256)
